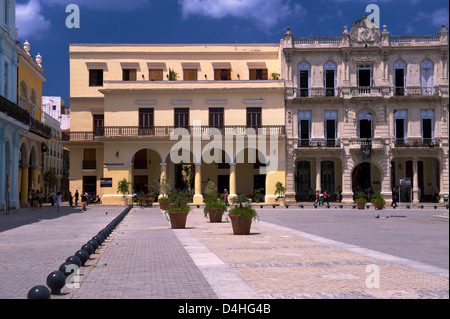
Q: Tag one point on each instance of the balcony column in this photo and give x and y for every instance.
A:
(318, 174)
(198, 197)
(232, 191)
(415, 182)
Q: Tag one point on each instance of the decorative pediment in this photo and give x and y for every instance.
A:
(361, 34)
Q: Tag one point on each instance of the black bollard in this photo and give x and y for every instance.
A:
(88, 248)
(39, 292)
(74, 260)
(94, 244)
(83, 255)
(56, 281)
(67, 268)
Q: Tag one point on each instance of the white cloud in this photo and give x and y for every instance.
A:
(30, 21)
(435, 18)
(262, 12)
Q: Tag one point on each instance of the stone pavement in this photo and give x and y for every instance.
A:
(144, 258)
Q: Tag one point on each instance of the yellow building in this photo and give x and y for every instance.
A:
(30, 80)
(184, 113)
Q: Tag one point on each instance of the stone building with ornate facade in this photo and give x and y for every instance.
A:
(366, 110)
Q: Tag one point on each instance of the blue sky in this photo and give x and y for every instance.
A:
(42, 23)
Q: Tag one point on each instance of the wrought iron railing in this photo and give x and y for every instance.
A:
(416, 142)
(167, 131)
(319, 142)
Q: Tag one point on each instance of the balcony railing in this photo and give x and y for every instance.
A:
(366, 91)
(167, 131)
(316, 92)
(89, 164)
(319, 142)
(14, 111)
(416, 142)
(416, 91)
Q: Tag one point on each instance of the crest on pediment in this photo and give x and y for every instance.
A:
(363, 33)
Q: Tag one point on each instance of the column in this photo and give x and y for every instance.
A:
(318, 174)
(24, 186)
(232, 190)
(164, 186)
(198, 197)
(415, 182)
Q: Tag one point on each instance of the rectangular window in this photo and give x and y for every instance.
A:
(222, 74)
(258, 74)
(146, 121)
(155, 75)
(99, 124)
(190, 74)
(399, 82)
(329, 82)
(129, 74)
(365, 79)
(304, 128)
(304, 83)
(331, 128)
(89, 161)
(216, 117)
(95, 77)
(254, 117)
(400, 128)
(181, 117)
(427, 121)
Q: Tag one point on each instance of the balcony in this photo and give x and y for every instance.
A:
(416, 142)
(415, 91)
(14, 111)
(167, 131)
(316, 92)
(89, 164)
(319, 143)
(363, 91)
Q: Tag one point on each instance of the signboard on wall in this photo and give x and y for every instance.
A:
(405, 181)
(105, 182)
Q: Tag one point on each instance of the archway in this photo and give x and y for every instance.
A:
(146, 170)
(366, 177)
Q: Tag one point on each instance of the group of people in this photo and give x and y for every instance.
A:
(84, 199)
(36, 199)
(321, 198)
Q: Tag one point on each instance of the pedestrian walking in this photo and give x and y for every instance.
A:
(225, 197)
(77, 195)
(394, 198)
(84, 199)
(52, 198)
(70, 199)
(325, 198)
(58, 201)
(317, 199)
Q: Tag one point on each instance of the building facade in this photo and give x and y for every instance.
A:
(181, 114)
(13, 120)
(366, 111)
(32, 142)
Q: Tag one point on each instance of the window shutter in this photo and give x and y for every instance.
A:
(228, 74)
(252, 74)
(265, 75)
(217, 74)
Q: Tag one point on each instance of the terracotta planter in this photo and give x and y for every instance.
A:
(214, 216)
(360, 205)
(178, 219)
(163, 205)
(378, 206)
(240, 225)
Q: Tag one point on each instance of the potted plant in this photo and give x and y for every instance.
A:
(213, 206)
(242, 215)
(360, 200)
(280, 190)
(178, 209)
(257, 195)
(378, 201)
(163, 203)
(124, 188)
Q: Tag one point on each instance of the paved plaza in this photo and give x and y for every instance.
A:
(291, 253)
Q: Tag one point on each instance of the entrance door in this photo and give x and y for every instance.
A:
(329, 82)
(303, 180)
(90, 185)
(140, 183)
(223, 183)
(259, 182)
(361, 177)
(327, 177)
(399, 82)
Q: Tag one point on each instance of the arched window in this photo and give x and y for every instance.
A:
(399, 78)
(330, 78)
(365, 124)
(33, 103)
(23, 95)
(304, 79)
(426, 77)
